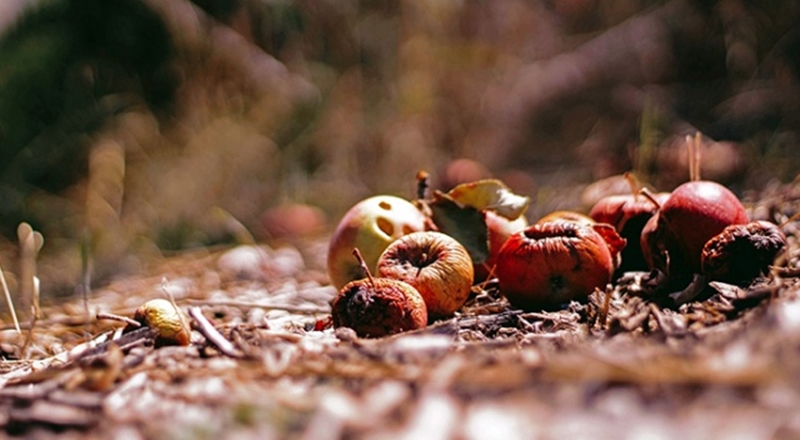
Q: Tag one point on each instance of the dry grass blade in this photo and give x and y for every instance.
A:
(9, 302)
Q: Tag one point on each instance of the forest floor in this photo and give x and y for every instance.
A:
(722, 365)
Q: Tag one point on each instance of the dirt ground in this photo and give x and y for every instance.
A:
(268, 364)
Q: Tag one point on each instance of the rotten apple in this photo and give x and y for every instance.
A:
(437, 265)
(628, 214)
(375, 307)
(370, 225)
(549, 264)
(740, 253)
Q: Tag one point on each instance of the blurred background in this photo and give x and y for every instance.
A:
(132, 129)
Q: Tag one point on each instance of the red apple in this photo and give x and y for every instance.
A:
(628, 214)
(549, 264)
(695, 212)
(437, 265)
(499, 229)
(370, 225)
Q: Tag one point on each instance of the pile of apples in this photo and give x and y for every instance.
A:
(416, 261)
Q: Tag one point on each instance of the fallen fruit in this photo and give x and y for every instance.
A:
(168, 321)
(437, 265)
(549, 264)
(499, 229)
(695, 212)
(740, 253)
(628, 214)
(375, 307)
(370, 225)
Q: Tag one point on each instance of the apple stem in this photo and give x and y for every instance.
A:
(633, 183)
(363, 265)
(422, 184)
(693, 151)
(649, 196)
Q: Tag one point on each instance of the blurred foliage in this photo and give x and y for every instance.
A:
(135, 123)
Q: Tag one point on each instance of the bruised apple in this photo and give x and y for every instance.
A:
(370, 225)
(376, 307)
(437, 265)
(549, 264)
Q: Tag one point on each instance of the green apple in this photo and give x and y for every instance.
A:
(370, 225)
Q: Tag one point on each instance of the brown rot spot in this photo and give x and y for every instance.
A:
(385, 226)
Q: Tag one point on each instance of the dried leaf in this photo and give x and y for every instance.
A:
(465, 224)
(489, 194)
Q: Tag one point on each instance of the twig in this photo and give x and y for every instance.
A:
(212, 335)
(604, 310)
(113, 317)
(306, 310)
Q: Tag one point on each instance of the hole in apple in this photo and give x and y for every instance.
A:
(385, 205)
(386, 226)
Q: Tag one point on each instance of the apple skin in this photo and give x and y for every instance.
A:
(435, 264)
(499, 229)
(628, 214)
(370, 225)
(694, 213)
(567, 216)
(549, 264)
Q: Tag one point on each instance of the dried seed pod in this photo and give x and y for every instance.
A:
(740, 253)
(168, 321)
(376, 307)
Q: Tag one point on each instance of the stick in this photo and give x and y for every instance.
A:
(213, 336)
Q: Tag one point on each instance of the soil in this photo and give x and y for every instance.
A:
(713, 361)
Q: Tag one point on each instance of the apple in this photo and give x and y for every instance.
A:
(375, 307)
(549, 264)
(499, 229)
(370, 225)
(695, 212)
(628, 214)
(437, 265)
(740, 253)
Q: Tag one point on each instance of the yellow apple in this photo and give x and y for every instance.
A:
(370, 225)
